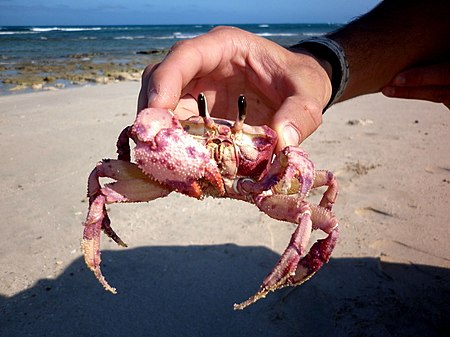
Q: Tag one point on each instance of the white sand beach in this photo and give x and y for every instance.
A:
(188, 261)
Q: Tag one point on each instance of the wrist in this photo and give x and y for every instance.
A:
(321, 61)
(331, 57)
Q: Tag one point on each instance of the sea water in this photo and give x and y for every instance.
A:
(55, 44)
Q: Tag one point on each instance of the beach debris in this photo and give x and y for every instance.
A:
(365, 210)
(205, 156)
(362, 122)
(359, 168)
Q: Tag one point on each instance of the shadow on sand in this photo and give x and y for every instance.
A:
(190, 291)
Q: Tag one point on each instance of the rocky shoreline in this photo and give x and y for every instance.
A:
(74, 70)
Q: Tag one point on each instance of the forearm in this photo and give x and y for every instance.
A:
(396, 35)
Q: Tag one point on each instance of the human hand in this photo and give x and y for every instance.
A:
(431, 83)
(284, 90)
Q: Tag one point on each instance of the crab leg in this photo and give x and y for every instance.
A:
(326, 178)
(131, 185)
(291, 268)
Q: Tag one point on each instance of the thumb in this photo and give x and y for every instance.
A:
(296, 119)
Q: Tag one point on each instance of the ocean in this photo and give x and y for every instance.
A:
(26, 51)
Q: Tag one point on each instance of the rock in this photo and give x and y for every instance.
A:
(101, 80)
(37, 86)
(18, 87)
(123, 76)
(50, 88)
(149, 52)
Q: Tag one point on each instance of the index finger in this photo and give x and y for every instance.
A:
(435, 74)
(186, 61)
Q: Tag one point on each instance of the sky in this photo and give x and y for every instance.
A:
(127, 12)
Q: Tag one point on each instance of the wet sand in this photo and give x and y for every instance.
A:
(188, 261)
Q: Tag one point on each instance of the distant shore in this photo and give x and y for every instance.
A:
(49, 58)
(76, 70)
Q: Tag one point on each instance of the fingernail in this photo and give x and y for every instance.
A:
(291, 135)
(400, 80)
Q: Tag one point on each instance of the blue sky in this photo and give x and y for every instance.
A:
(100, 12)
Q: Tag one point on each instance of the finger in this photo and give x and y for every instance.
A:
(143, 93)
(438, 94)
(187, 60)
(166, 83)
(437, 74)
(296, 119)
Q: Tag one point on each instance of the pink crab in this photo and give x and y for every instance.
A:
(205, 156)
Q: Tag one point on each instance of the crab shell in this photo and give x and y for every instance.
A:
(217, 150)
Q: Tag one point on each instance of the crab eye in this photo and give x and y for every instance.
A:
(201, 103)
(242, 107)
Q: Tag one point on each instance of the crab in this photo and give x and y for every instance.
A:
(205, 156)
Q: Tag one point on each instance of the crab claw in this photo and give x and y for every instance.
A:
(296, 265)
(291, 173)
(165, 152)
(293, 271)
(131, 185)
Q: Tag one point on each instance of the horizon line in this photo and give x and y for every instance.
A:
(176, 24)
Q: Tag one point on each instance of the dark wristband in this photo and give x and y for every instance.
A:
(330, 51)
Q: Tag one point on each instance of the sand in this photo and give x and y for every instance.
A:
(188, 261)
